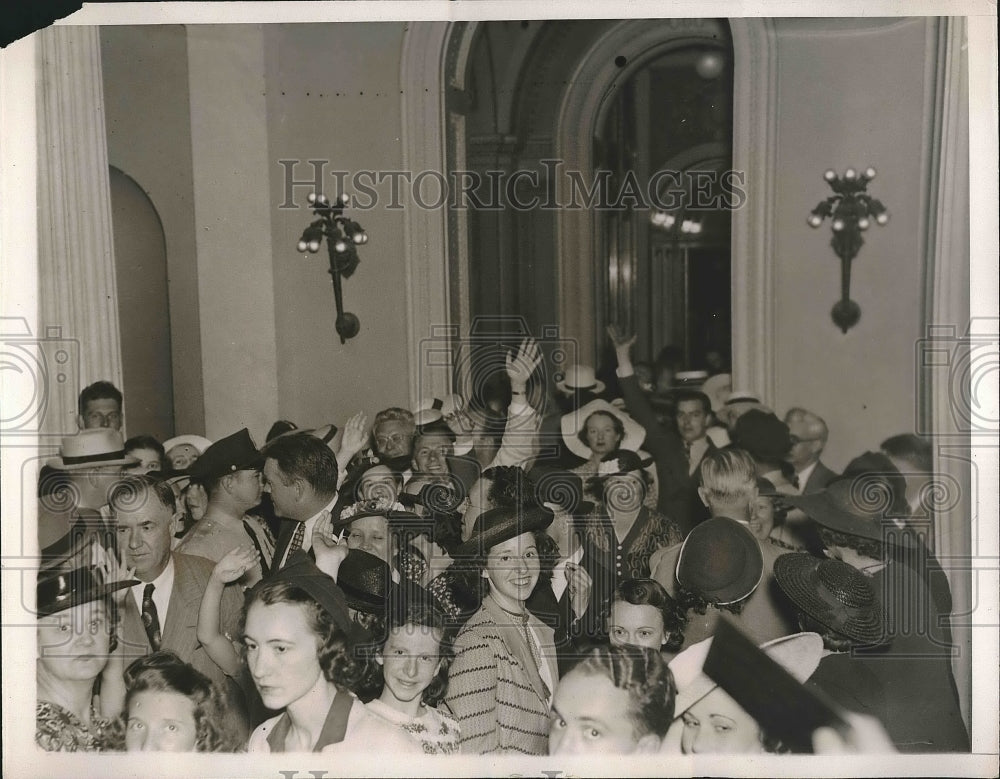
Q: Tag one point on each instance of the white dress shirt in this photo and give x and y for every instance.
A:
(163, 585)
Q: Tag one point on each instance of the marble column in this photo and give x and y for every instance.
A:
(78, 300)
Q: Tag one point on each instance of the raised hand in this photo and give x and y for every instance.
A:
(621, 339)
(579, 585)
(355, 437)
(235, 563)
(113, 568)
(329, 551)
(521, 365)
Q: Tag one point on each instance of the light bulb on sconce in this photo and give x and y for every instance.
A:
(850, 210)
(341, 235)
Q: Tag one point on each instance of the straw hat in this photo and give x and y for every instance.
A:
(573, 423)
(92, 448)
(799, 654)
(580, 378)
(834, 594)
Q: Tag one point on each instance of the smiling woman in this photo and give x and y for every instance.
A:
(500, 685)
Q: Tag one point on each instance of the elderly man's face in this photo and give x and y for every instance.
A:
(807, 443)
(393, 438)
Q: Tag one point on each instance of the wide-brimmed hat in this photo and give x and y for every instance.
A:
(573, 422)
(299, 570)
(737, 403)
(857, 507)
(718, 388)
(200, 443)
(58, 590)
(621, 462)
(580, 378)
(874, 470)
(799, 654)
(92, 448)
(762, 434)
(720, 560)
(497, 525)
(366, 581)
(236, 452)
(834, 594)
(561, 489)
(437, 497)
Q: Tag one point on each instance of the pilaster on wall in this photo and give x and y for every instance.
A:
(77, 291)
(231, 167)
(946, 249)
(428, 332)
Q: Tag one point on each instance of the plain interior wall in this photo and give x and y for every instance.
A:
(333, 94)
(229, 151)
(842, 103)
(147, 113)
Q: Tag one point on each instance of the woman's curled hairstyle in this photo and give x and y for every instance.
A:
(335, 656)
(165, 672)
(649, 592)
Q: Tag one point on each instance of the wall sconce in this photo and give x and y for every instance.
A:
(851, 210)
(342, 237)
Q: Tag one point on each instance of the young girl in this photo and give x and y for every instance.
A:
(413, 666)
(643, 614)
(172, 707)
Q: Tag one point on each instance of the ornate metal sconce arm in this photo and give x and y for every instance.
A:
(342, 238)
(851, 211)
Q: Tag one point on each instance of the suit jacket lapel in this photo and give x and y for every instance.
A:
(285, 534)
(182, 609)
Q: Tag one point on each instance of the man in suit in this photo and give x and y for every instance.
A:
(301, 474)
(729, 489)
(808, 433)
(161, 612)
(677, 454)
(574, 602)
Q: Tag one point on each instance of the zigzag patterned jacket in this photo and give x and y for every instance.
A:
(498, 698)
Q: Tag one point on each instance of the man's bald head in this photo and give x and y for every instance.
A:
(809, 435)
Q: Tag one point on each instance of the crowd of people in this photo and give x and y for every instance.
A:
(539, 571)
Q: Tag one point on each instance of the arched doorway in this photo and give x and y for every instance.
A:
(143, 308)
(605, 54)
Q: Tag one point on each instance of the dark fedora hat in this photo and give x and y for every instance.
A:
(762, 434)
(300, 571)
(497, 525)
(61, 589)
(720, 560)
(874, 468)
(366, 581)
(437, 497)
(236, 452)
(857, 507)
(562, 489)
(834, 594)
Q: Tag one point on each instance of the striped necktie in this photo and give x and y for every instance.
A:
(150, 620)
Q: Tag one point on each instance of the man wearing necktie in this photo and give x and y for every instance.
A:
(301, 473)
(162, 609)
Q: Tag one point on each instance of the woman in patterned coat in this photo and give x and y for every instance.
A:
(501, 681)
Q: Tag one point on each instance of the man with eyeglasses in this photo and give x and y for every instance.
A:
(808, 433)
(100, 405)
